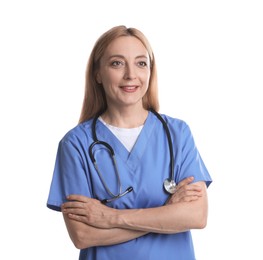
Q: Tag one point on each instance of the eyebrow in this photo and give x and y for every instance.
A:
(123, 57)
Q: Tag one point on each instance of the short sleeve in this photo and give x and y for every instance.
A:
(191, 161)
(69, 176)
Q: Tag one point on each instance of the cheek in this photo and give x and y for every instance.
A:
(145, 78)
(110, 78)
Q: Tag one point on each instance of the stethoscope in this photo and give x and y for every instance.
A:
(169, 184)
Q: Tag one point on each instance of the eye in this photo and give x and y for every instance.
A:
(116, 63)
(142, 64)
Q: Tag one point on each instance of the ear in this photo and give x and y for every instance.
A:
(98, 78)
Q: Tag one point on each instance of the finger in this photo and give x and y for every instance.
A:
(75, 211)
(181, 194)
(184, 193)
(74, 204)
(79, 218)
(77, 197)
(185, 181)
(190, 198)
(192, 187)
(183, 199)
(190, 193)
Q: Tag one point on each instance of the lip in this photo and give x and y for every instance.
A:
(129, 88)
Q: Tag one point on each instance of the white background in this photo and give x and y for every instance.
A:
(210, 66)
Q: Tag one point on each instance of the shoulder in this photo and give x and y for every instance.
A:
(175, 123)
(178, 127)
(78, 134)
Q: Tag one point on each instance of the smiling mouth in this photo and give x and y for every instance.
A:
(129, 88)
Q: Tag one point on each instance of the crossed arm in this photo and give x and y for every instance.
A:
(90, 223)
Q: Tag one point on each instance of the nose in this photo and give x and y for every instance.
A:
(130, 72)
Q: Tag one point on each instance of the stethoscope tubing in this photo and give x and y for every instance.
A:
(112, 154)
(169, 138)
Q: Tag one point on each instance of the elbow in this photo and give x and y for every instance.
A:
(201, 214)
(201, 224)
(200, 220)
(78, 234)
(79, 240)
(79, 244)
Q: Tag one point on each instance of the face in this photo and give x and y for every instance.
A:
(125, 72)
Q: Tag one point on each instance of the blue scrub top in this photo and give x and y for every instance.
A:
(144, 168)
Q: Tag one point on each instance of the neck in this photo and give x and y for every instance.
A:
(125, 118)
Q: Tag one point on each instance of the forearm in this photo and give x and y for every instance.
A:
(182, 213)
(84, 236)
(168, 219)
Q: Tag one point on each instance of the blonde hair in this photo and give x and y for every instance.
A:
(94, 99)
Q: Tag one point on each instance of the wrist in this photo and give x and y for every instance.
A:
(113, 219)
(117, 218)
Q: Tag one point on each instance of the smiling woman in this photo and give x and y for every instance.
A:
(124, 72)
(122, 142)
(92, 106)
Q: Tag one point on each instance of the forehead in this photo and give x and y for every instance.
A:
(126, 46)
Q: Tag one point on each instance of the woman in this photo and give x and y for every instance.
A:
(110, 169)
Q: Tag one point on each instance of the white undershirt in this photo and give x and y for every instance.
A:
(127, 136)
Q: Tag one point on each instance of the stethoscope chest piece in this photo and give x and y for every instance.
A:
(170, 186)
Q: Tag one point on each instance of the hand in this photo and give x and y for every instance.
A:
(185, 192)
(89, 211)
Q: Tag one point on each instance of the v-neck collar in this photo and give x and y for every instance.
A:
(131, 159)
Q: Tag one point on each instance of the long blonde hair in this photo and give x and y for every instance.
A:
(94, 99)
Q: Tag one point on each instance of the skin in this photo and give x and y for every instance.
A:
(91, 223)
(124, 73)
